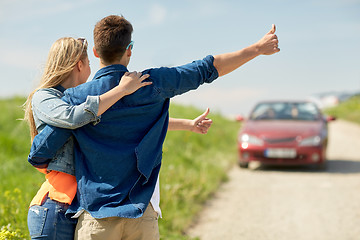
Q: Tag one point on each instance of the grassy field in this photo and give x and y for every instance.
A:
(348, 110)
(19, 181)
(193, 167)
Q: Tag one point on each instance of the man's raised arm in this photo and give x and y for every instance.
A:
(228, 62)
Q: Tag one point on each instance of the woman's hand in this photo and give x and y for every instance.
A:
(129, 83)
(132, 81)
(201, 124)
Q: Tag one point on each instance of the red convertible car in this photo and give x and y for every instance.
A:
(285, 133)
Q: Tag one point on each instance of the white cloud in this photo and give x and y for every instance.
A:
(158, 14)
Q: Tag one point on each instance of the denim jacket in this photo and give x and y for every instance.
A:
(48, 108)
(117, 161)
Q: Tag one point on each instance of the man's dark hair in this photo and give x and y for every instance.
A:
(112, 34)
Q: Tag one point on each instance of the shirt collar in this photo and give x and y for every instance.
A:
(60, 88)
(110, 68)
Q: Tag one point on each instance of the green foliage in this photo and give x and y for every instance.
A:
(6, 233)
(348, 110)
(12, 207)
(193, 167)
(19, 181)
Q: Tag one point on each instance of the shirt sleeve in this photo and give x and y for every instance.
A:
(52, 110)
(46, 144)
(173, 81)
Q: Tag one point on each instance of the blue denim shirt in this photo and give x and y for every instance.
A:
(118, 160)
(48, 108)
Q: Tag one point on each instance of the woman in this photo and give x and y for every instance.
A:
(68, 66)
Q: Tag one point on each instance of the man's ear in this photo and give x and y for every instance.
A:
(95, 53)
(129, 52)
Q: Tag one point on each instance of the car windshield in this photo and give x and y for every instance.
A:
(286, 111)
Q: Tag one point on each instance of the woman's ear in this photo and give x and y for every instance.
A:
(79, 65)
(95, 53)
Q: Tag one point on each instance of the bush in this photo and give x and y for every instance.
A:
(348, 110)
(6, 233)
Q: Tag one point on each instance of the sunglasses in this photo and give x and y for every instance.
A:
(83, 41)
(131, 45)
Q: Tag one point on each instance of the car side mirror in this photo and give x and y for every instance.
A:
(239, 118)
(330, 118)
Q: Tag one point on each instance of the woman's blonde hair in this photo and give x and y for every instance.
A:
(63, 56)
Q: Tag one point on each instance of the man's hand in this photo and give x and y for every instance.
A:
(269, 43)
(201, 124)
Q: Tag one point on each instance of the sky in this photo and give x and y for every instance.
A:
(319, 42)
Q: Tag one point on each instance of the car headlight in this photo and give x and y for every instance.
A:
(246, 138)
(310, 141)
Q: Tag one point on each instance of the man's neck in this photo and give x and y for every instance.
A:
(122, 61)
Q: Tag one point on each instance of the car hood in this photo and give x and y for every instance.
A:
(285, 128)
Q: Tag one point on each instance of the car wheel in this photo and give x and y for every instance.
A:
(244, 164)
(322, 166)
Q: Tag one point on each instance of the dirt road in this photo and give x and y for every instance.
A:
(268, 203)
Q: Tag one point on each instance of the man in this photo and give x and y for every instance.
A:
(118, 160)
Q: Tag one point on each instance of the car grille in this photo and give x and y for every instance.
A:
(279, 140)
(260, 156)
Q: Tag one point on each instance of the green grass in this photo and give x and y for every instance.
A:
(348, 110)
(193, 167)
(19, 181)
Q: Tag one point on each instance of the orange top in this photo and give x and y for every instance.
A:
(58, 186)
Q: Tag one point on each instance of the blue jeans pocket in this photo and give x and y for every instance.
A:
(36, 220)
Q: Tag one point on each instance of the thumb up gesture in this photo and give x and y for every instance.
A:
(268, 44)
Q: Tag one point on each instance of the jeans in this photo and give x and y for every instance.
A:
(48, 221)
